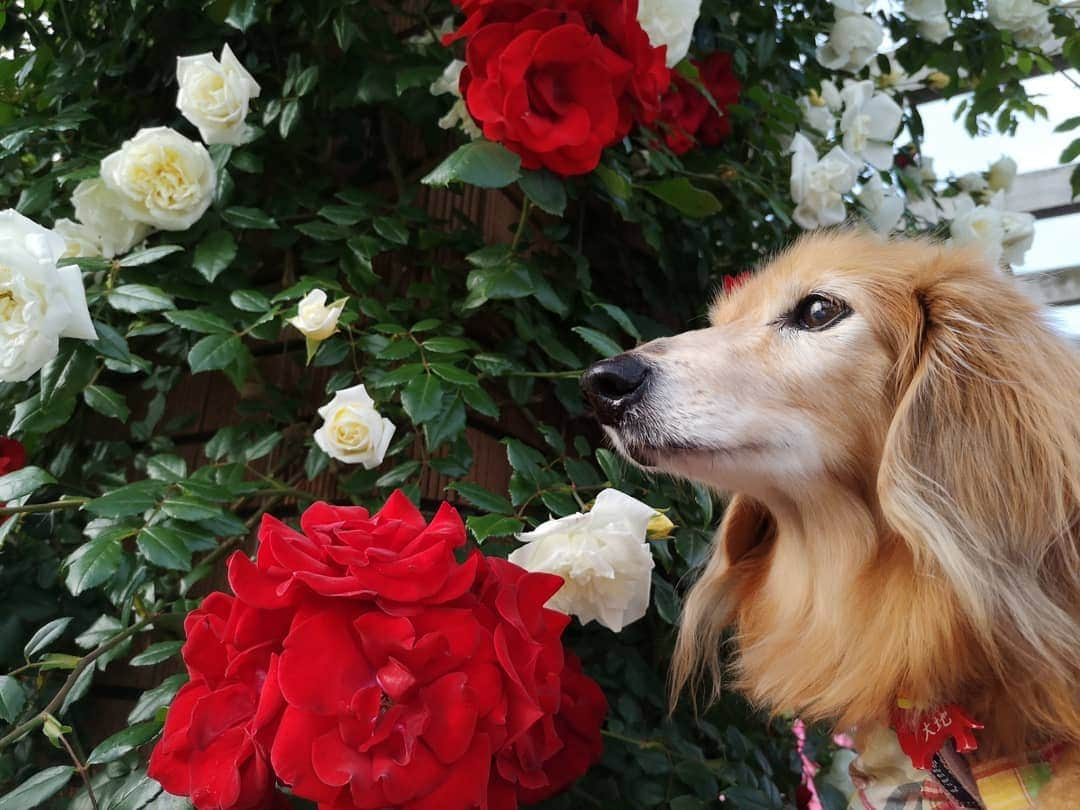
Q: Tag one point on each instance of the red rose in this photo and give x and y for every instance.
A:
(393, 556)
(547, 89)
(216, 741)
(12, 455)
(479, 13)
(364, 667)
(388, 710)
(688, 115)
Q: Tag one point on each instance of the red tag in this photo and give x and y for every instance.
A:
(922, 734)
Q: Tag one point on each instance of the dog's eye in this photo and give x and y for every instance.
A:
(816, 312)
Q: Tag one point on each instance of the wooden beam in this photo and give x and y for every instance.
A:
(1053, 287)
(1046, 193)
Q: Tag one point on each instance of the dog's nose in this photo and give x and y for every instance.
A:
(613, 385)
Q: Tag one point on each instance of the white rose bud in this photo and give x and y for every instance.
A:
(314, 318)
(101, 210)
(352, 430)
(973, 183)
(852, 43)
(670, 23)
(1002, 174)
(602, 556)
(80, 241)
(39, 302)
(458, 115)
(162, 178)
(215, 95)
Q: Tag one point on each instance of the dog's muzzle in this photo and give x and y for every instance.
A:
(612, 386)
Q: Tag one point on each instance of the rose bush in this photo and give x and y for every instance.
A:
(351, 248)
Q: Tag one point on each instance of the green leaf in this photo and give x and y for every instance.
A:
(12, 698)
(198, 320)
(122, 742)
(45, 636)
(149, 255)
(250, 301)
(243, 14)
(107, 402)
(157, 698)
(391, 230)
(134, 792)
(23, 482)
(290, 117)
(399, 475)
(480, 401)
(132, 499)
(447, 426)
(140, 298)
(165, 546)
(1071, 152)
(343, 214)
(482, 499)
(422, 398)
(39, 788)
(453, 374)
(599, 341)
(215, 352)
(1068, 124)
(156, 653)
(58, 661)
(446, 345)
(685, 197)
(306, 81)
(479, 163)
(214, 254)
(485, 526)
(545, 190)
(665, 599)
(68, 373)
(251, 218)
(35, 416)
(93, 563)
(189, 507)
(617, 186)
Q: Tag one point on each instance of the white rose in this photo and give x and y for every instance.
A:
(817, 114)
(883, 205)
(830, 94)
(163, 179)
(101, 210)
(80, 241)
(818, 186)
(1002, 174)
(352, 430)
(1028, 20)
(924, 9)
(852, 43)
(1017, 235)
(851, 6)
(314, 318)
(978, 225)
(39, 302)
(458, 115)
(602, 556)
(870, 122)
(214, 96)
(670, 23)
(936, 29)
(973, 183)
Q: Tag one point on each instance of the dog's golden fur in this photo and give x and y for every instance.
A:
(935, 552)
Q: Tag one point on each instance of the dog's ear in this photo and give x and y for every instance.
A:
(743, 537)
(980, 472)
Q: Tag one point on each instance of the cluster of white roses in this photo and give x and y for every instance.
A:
(856, 124)
(158, 180)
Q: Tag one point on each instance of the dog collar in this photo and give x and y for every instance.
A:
(929, 738)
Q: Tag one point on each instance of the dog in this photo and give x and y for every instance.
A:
(900, 427)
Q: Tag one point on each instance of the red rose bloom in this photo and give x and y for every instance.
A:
(479, 13)
(12, 455)
(216, 742)
(393, 556)
(688, 116)
(363, 666)
(547, 89)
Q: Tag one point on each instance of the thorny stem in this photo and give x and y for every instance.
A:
(84, 662)
(525, 207)
(83, 770)
(52, 506)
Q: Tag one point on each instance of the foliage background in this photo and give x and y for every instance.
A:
(459, 327)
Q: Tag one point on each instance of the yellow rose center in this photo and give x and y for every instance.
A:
(350, 432)
(162, 178)
(8, 305)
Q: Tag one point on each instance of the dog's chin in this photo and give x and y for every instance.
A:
(674, 458)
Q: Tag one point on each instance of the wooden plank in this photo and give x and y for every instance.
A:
(1053, 287)
(1046, 193)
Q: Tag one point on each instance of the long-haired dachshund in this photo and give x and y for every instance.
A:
(901, 429)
